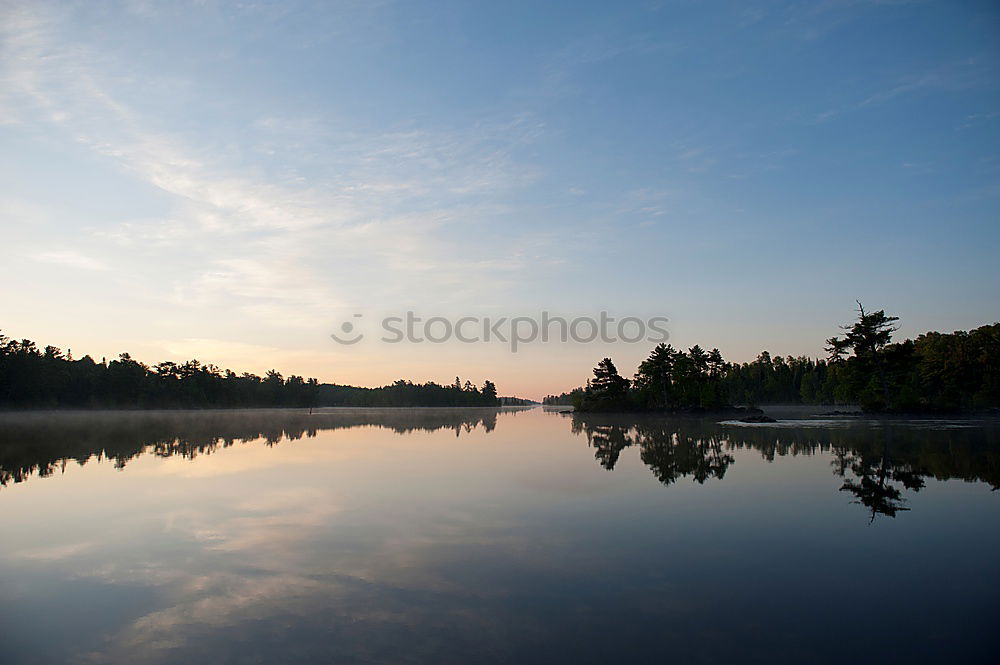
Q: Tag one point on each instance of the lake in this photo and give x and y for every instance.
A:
(495, 536)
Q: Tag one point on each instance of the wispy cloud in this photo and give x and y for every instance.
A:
(953, 77)
(70, 258)
(284, 245)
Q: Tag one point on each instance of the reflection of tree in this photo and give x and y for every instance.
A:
(608, 442)
(875, 483)
(42, 443)
(669, 454)
(875, 472)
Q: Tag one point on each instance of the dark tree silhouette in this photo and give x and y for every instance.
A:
(867, 337)
(30, 378)
(936, 372)
(608, 390)
(654, 378)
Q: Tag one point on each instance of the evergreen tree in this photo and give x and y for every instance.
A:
(654, 377)
(868, 337)
(608, 389)
(489, 393)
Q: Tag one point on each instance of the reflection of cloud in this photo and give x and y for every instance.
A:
(54, 552)
(213, 602)
(378, 586)
(568, 483)
(281, 558)
(250, 457)
(228, 556)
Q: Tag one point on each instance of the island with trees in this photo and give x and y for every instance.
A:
(936, 372)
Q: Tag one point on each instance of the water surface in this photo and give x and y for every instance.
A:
(478, 535)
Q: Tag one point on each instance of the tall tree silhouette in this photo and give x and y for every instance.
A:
(608, 389)
(867, 337)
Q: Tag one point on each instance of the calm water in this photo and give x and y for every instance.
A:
(460, 536)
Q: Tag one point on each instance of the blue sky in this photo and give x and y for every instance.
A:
(230, 181)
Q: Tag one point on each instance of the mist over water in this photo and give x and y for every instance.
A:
(486, 535)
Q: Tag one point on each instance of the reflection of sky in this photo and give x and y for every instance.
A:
(513, 545)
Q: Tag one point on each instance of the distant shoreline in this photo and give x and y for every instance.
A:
(236, 409)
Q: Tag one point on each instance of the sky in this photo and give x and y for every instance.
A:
(232, 181)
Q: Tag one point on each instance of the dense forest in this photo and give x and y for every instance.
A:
(48, 378)
(562, 399)
(516, 401)
(407, 393)
(942, 372)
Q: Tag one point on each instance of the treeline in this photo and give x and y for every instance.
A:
(942, 372)
(562, 399)
(516, 401)
(48, 378)
(407, 393)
